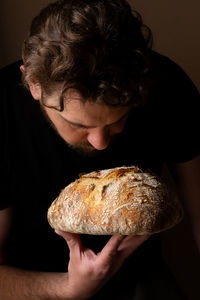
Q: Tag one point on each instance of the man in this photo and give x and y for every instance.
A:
(103, 99)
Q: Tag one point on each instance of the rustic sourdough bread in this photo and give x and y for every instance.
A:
(122, 200)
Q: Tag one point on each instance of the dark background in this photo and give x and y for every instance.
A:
(175, 26)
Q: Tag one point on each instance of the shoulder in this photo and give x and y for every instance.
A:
(167, 73)
(15, 99)
(11, 86)
(163, 64)
(170, 121)
(10, 74)
(170, 85)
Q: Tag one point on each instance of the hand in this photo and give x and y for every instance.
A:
(87, 271)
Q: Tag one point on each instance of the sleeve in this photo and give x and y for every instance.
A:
(178, 113)
(4, 149)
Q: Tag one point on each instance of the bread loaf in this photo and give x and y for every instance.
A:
(122, 200)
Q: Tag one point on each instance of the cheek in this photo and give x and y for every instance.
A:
(72, 135)
(69, 134)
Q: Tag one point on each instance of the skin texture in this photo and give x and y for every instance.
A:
(86, 270)
(90, 126)
(82, 124)
(91, 271)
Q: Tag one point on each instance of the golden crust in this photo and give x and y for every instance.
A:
(122, 200)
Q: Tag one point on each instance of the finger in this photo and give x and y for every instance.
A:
(112, 245)
(131, 243)
(73, 241)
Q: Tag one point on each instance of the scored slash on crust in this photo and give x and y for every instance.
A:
(122, 200)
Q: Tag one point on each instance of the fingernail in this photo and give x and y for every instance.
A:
(121, 237)
(58, 232)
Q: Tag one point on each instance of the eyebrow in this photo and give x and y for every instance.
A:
(87, 127)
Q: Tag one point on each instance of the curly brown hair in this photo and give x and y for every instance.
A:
(98, 47)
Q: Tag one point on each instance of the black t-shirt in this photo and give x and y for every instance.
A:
(36, 163)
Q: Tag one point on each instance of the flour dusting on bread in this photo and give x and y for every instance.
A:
(123, 200)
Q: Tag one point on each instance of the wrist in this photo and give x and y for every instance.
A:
(62, 290)
(71, 291)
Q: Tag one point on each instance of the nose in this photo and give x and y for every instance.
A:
(99, 138)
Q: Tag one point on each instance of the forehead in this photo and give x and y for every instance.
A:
(85, 111)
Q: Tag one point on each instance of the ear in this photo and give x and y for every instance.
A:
(22, 68)
(34, 87)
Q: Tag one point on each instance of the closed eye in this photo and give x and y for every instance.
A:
(82, 126)
(73, 125)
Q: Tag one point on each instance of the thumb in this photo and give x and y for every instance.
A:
(131, 243)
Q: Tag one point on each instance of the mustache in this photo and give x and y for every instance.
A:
(84, 148)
